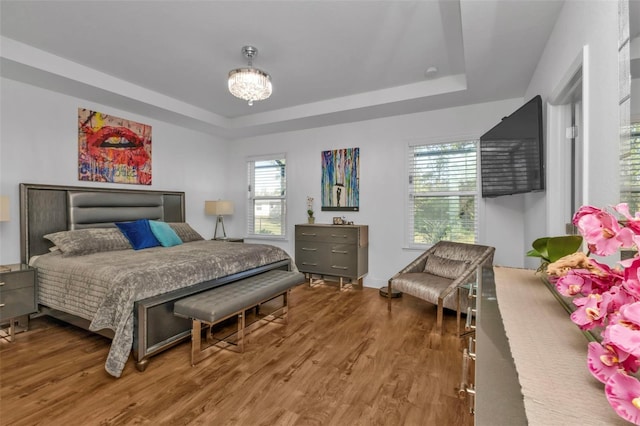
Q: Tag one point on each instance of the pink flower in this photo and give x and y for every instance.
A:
(589, 313)
(602, 232)
(604, 360)
(570, 285)
(633, 222)
(623, 394)
(625, 332)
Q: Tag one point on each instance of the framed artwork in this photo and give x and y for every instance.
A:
(340, 180)
(113, 149)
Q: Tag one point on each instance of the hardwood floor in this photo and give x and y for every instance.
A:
(341, 360)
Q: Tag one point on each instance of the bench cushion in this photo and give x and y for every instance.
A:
(220, 302)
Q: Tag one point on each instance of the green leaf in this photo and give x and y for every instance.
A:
(540, 245)
(550, 249)
(559, 247)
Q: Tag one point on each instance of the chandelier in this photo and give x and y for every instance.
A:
(250, 84)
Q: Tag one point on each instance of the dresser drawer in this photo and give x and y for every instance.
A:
(332, 234)
(311, 256)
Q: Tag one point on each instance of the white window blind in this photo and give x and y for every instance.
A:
(267, 196)
(443, 192)
(630, 169)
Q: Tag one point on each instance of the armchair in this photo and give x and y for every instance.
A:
(436, 274)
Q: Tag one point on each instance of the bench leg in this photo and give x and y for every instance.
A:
(241, 317)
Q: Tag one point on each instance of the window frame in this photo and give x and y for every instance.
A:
(251, 198)
(409, 215)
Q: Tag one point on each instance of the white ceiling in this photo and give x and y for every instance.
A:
(330, 61)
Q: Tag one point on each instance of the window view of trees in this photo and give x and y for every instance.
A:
(443, 191)
(267, 192)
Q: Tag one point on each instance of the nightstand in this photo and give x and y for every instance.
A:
(18, 287)
(231, 240)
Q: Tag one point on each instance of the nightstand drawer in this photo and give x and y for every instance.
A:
(18, 302)
(16, 280)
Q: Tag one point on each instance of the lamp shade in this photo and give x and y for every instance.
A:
(218, 208)
(4, 208)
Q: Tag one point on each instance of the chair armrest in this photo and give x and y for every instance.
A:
(485, 257)
(418, 264)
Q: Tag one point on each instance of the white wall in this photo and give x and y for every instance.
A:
(593, 24)
(383, 180)
(39, 144)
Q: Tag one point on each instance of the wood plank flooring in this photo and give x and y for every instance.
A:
(341, 360)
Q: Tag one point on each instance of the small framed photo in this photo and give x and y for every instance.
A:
(337, 220)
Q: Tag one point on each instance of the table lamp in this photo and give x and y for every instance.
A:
(4, 217)
(218, 208)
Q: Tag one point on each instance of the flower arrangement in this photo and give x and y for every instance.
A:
(607, 299)
(310, 207)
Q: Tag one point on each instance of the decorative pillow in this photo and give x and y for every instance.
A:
(139, 234)
(446, 268)
(185, 232)
(86, 241)
(165, 235)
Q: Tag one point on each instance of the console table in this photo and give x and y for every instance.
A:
(333, 250)
(531, 360)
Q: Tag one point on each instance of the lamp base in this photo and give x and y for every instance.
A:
(394, 293)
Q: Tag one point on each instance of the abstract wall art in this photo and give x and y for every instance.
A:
(113, 149)
(341, 180)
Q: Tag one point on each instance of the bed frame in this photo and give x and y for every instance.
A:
(46, 209)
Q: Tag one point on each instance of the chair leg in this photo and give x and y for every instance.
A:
(440, 316)
(389, 296)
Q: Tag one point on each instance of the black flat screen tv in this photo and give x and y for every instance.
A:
(511, 153)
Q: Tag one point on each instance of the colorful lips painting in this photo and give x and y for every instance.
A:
(112, 149)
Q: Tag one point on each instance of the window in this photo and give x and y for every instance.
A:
(267, 196)
(630, 169)
(443, 192)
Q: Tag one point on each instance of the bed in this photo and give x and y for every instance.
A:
(125, 294)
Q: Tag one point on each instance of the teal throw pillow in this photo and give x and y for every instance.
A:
(164, 233)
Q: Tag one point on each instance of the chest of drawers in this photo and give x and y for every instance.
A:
(333, 250)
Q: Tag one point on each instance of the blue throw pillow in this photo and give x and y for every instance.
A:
(164, 233)
(139, 234)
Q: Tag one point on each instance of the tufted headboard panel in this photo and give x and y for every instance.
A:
(94, 210)
(49, 208)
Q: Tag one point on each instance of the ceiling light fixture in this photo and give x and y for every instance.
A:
(250, 84)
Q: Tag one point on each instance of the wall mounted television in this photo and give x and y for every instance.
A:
(511, 153)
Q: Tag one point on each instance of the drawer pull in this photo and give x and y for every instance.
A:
(1, 305)
(309, 264)
(338, 236)
(1, 283)
(344, 268)
(309, 249)
(308, 235)
(340, 251)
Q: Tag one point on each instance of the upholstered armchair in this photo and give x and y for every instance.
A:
(437, 273)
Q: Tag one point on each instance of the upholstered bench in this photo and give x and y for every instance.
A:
(213, 306)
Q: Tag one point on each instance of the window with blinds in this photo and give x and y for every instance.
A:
(443, 192)
(267, 196)
(630, 169)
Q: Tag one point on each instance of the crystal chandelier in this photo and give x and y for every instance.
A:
(250, 84)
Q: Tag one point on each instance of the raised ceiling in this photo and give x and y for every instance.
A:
(331, 61)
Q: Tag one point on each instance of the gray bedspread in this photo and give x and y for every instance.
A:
(102, 287)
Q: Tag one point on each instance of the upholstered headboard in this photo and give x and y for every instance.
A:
(48, 208)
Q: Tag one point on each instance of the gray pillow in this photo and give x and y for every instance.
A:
(86, 241)
(185, 232)
(446, 268)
